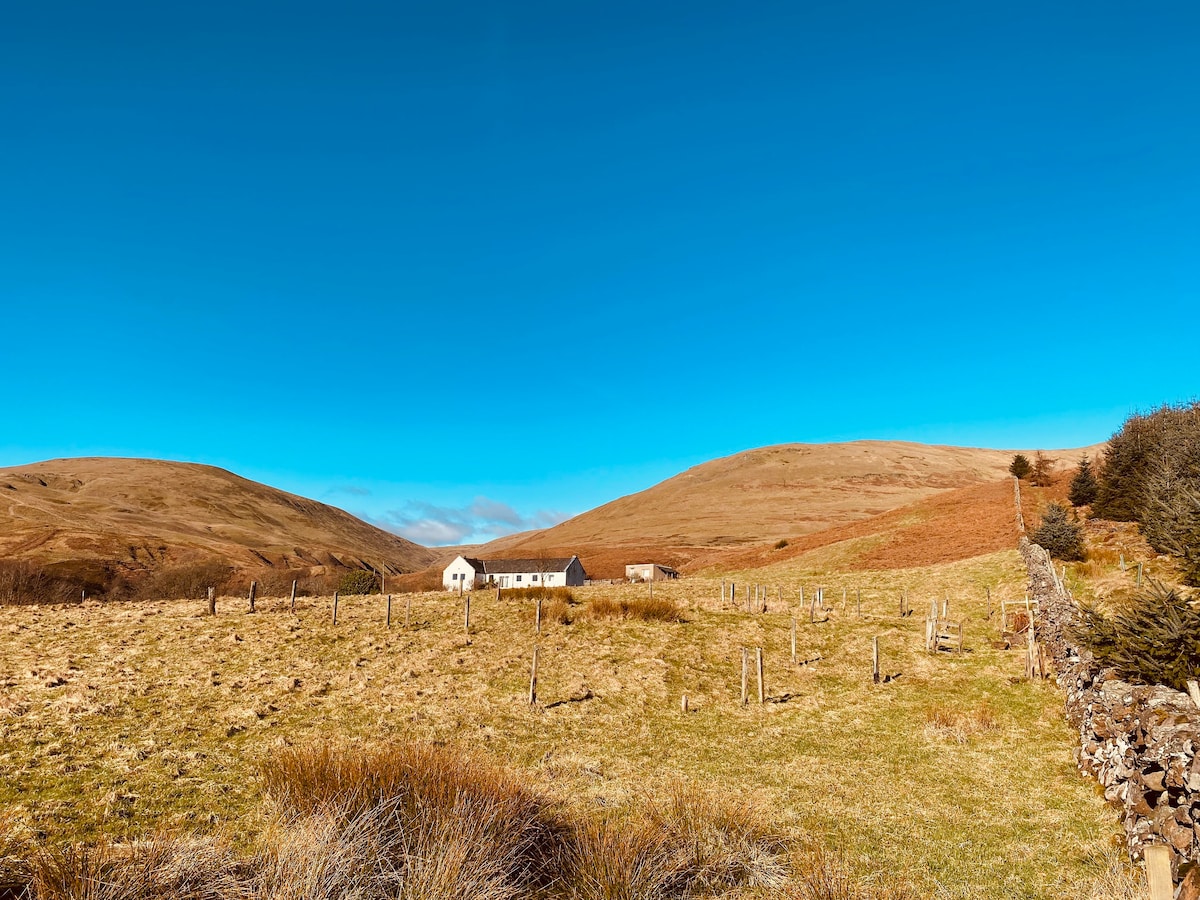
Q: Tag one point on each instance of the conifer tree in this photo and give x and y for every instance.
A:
(1020, 466)
(1059, 534)
(1043, 471)
(1151, 640)
(1084, 485)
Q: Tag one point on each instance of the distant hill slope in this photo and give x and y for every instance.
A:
(132, 515)
(763, 495)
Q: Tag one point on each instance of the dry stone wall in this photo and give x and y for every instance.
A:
(1140, 742)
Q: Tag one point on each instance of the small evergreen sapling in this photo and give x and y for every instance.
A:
(1060, 534)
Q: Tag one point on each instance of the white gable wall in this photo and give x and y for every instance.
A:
(458, 573)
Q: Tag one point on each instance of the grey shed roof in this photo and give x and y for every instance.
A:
(510, 566)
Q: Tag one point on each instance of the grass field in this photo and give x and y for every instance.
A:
(954, 777)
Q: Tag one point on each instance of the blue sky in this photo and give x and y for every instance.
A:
(464, 268)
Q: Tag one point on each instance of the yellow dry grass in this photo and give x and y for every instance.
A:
(954, 777)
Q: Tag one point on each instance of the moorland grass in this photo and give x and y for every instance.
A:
(953, 779)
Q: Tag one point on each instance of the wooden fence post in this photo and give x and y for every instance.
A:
(762, 690)
(407, 608)
(683, 704)
(253, 592)
(335, 605)
(389, 611)
(875, 660)
(212, 602)
(793, 640)
(1158, 872)
(745, 676)
(537, 618)
(293, 595)
(812, 610)
(1139, 581)
(533, 677)
(467, 617)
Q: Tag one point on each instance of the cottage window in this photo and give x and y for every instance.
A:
(518, 578)
(533, 578)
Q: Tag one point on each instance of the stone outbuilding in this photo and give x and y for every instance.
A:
(650, 572)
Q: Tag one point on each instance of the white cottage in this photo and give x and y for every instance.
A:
(466, 573)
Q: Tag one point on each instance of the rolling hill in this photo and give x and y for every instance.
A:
(106, 516)
(762, 496)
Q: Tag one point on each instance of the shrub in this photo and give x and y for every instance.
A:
(1152, 640)
(358, 581)
(22, 583)
(1020, 466)
(1084, 485)
(187, 582)
(1059, 534)
(781, 543)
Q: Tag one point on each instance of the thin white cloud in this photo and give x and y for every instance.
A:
(352, 489)
(480, 521)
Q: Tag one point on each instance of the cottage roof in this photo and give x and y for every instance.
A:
(476, 564)
(510, 566)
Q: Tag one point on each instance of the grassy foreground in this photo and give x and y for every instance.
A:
(954, 777)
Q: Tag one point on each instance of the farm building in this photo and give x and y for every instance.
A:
(650, 572)
(468, 573)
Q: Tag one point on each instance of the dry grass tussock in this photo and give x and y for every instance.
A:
(561, 594)
(641, 608)
(421, 808)
(948, 723)
(163, 868)
(416, 821)
(821, 875)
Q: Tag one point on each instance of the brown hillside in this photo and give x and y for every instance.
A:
(127, 516)
(776, 492)
(947, 527)
(761, 496)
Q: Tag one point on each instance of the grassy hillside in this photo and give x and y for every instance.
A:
(954, 777)
(101, 517)
(760, 497)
